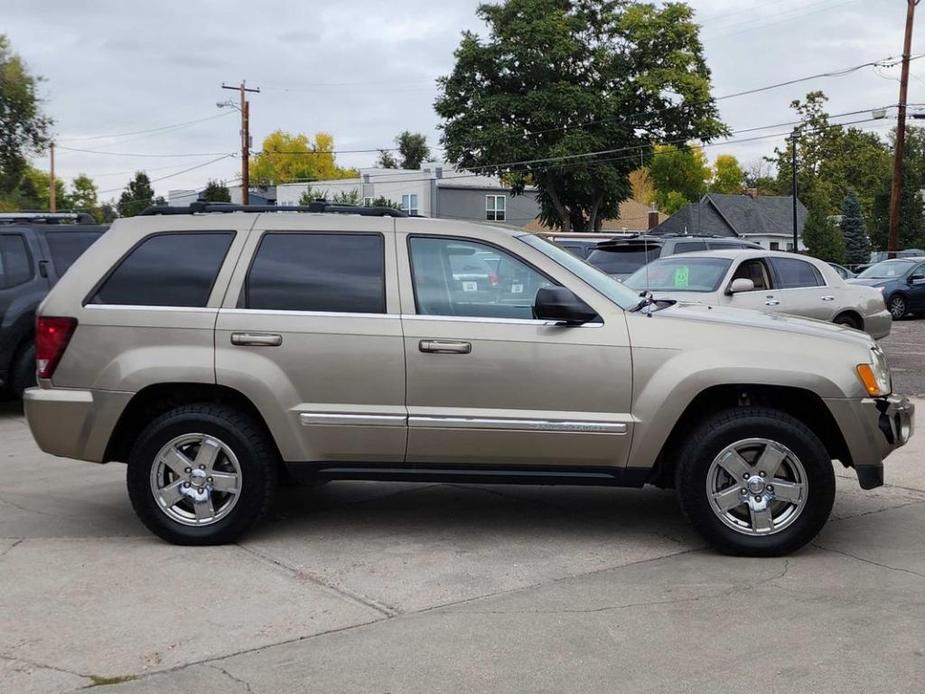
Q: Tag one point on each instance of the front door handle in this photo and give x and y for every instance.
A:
(828, 298)
(445, 347)
(772, 302)
(256, 339)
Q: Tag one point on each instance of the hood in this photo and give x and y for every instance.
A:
(771, 321)
(871, 281)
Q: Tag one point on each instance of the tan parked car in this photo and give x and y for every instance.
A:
(767, 281)
(210, 351)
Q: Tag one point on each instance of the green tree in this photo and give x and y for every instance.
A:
(312, 195)
(728, 176)
(215, 191)
(386, 160)
(680, 176)
(23, 127)
(857, 245)
(553, 79)
(383, 201)
(31, 193)
(137, 196)
(413, 149)
(823, 239)
(911, 224)
(83, 196)
(287, 158)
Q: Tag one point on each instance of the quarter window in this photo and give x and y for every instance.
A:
(690, 247)
(173, 269)
(15, 262)
(454, 277)
(793, 274)
(68, 246)
(342, 273)
(409, 203)
(495, 208)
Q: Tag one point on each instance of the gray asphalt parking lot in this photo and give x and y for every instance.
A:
(365, 587)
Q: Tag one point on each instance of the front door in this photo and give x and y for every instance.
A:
(489, 384)
(917, 289)
(764, 297)
(310, 332)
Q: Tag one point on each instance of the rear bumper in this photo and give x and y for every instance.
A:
(73, 423)
(878, 325)
(873, 428)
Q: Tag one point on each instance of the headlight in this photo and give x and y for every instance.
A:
(876, 375)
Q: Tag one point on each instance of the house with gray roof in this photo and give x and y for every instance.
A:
(763, 219)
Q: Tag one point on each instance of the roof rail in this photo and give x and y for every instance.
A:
(45, 218)
(331, 208)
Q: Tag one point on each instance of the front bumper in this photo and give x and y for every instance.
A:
(873, 428)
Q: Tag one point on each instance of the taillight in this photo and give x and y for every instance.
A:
(51, 338)
(493, 279)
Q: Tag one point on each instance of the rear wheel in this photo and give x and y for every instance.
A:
(848, 320)
(202, 474)
(897, 306)
(22, 371)
(755, 482)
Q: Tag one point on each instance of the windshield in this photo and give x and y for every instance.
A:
(623, 260)
(683, 274)
(887, 269)
(609, 287)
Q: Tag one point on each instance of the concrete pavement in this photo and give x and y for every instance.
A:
(364, 587)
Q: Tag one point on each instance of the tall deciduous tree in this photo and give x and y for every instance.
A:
(680, 176)
(911, 222)
(23, 127)
(83, 194)
(413, 149)
(857, 244)
(287, 158)
(386, 160)
(823, 239)
(553, 79)
(138, 195)
(215, 191)
(728, 176)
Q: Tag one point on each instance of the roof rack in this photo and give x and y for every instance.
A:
(46, 218)
(331, 208)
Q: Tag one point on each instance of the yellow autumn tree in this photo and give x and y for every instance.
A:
(285, 158)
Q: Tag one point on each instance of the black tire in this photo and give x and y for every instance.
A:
(22, 370)
(246, 438)
(848, 320)
(897, 306)
(725, 428)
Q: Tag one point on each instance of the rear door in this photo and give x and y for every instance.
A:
(22, 288)
(310, 332)
(803, 289)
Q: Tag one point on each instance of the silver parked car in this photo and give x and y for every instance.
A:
(768, 281)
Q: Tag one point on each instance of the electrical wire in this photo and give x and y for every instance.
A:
(175, 173)
(136, 154)
(174, 126)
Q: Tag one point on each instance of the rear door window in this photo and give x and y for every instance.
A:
(169, 269)
(68, 246)
(331, 272)
(690, 247)
(794, 274)
(623, 260)
(15, 261)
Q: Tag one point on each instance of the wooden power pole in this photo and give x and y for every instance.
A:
(896, 188)
(245, 137)
(52, 202)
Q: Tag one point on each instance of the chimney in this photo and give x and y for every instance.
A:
(653, 219)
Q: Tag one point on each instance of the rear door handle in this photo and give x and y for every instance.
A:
(445, 347)
(256, 339)
(828, 298)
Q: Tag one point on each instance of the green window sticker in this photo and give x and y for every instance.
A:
(681, 276)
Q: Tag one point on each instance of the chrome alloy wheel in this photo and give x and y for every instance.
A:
(757, 487)
(196, 479)
(897, 307)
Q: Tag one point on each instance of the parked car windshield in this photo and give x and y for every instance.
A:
(683, 274)
(888, 269)
(623, 260)
(606, 285)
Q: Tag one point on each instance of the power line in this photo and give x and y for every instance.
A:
(136, 154)
(174, 126)
(175, 173)
(749, 26)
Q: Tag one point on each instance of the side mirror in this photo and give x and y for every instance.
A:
(560, 304)
(741, 284)
(916, 279)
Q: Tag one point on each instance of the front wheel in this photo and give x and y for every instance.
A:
(202, 474)
(755, 482)
(897, 306)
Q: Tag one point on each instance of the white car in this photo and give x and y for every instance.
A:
(767, 281)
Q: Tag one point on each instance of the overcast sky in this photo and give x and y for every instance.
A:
(363, 70)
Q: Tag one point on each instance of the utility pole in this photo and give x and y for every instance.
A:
(793, 187)
(52, 202)
(896, 188)
(245, 137)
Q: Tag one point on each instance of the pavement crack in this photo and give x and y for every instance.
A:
(868, 561)
(26, 509)
(302, 574)
(43, 666)
(11, 547)
(247, 685)
(879, 510)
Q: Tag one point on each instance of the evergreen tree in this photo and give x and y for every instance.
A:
(823, 239)
(215, 191)
(138, 195)
(857, 244)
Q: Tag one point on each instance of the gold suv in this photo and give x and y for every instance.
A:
(214, 348)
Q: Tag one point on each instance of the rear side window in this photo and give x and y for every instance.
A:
(623, 260)
(690, 247)
(67, 246)
(793, 273)
(15, 261)
(171, 269)
(336, 273)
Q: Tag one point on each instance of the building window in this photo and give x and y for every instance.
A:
(789, 246)
(495, 208)
(775, 246)
(409, 203)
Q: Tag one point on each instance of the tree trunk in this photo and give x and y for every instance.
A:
(594, 222)
(564, 217)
